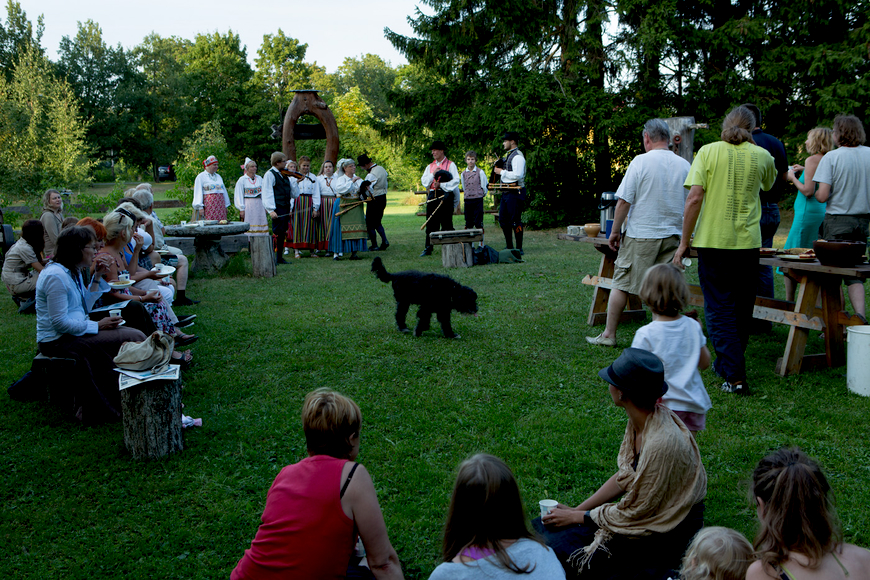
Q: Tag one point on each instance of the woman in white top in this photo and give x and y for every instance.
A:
(249, 200)
(329, 206)
(353, 221)
(486, 534)
(210, 197)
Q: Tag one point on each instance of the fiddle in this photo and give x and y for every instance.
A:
(296, 174)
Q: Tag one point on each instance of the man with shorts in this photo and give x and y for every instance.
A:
(650, 202)
(843, 179)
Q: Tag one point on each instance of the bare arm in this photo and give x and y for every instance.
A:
(37, 265)
(808, 187)
(565, 516)
(380, 554)
(690, 218)
(704, 360)
(619, 216)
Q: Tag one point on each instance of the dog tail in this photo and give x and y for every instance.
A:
(380, 271)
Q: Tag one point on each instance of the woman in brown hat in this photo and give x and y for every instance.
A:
(645, 515)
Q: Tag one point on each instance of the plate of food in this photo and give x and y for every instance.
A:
(118, 284)
(162, 251)
(163, 270)
(805, 257)
(211, 222)
(799, 251)
(768, 251)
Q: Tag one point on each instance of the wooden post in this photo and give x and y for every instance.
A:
(262, 256)
(308, 102)
(683, 136)
(457, 255)
(152, 419)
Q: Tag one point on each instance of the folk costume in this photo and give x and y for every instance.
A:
(329, 206)
(304, 225)
(353, 222)
(278, 194)
(439, 214)
(513, 201)
(473, 183)
(378, 178)
(248, 197)
(210, 194)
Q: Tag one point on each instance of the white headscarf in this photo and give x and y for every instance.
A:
(342, 163)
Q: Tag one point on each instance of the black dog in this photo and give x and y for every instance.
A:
(433, 292)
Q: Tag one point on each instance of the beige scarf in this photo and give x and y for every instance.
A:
(659, 494)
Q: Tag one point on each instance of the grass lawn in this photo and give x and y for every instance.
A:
(521, 384)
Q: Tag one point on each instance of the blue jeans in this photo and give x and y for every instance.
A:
(728, 305)
(769, 224)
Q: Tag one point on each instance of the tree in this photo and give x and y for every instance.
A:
(374, 77)
(281, 68)
(43, 136)
(18, 36)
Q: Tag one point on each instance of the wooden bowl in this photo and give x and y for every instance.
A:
(839, 253)
(592, 230)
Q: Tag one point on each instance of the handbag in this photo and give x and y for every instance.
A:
(153, 353)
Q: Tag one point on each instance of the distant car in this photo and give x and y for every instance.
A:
(165, 172)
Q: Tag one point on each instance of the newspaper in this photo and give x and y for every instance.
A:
(132, 378)
(115, 306)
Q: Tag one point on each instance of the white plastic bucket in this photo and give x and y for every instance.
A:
(858, 359)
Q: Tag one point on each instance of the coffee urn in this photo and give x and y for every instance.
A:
(607, 206)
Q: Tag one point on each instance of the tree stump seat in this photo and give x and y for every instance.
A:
(54, 376)
(152, 419)
(456, 246)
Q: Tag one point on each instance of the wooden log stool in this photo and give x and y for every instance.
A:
(456, 246)
(54, 375)
(262, 256)
(152, 418)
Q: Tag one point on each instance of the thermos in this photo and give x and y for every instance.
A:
(607, 206)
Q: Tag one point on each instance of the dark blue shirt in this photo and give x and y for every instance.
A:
(775, 147)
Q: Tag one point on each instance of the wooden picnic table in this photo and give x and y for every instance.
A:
(816, 282)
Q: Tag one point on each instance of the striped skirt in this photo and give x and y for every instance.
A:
(213, 206)
(303, 224)
(326, 228)
(255, 216)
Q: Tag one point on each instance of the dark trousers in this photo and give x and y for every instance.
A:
(728, 305)
(473, 213)
(279, 228)
(769, 224)
(374, 216)
(510, 217)
(442, 219)
(644, 557)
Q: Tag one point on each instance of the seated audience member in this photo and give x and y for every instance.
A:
(643, 518)
(22, 264)
(799, 535)
(717, 553)
(486, 534)
(63, 328)
(175, 257)
(316, 507)
(139, 247)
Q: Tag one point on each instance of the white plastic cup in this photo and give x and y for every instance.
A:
(687, 262)
(123, 277)
(547, 505)
(183, 223)
(202, 222)
(115, 312)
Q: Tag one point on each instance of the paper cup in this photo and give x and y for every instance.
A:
(124, 277)
(547, 506)
(183, 223)
(115, 312)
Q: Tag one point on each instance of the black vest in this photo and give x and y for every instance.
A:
(282, 190)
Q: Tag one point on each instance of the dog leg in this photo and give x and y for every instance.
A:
(401, 314)
(424, 316)
(444, 319)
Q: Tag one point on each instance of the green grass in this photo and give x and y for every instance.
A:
(521, 384)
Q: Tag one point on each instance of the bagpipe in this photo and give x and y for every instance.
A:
(495, 183)
(363, 195)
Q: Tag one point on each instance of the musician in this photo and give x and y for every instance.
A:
(278, 193)
(441, 193)
(513, 201)
(377, 175)
(306, 210)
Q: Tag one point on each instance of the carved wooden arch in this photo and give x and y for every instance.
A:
(310, 103)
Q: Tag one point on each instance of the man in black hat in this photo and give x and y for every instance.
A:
(441, 179)
(513, 201)
(377, 176)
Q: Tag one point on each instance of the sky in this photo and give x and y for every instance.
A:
(349, 28)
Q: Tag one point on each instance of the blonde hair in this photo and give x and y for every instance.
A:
(330, 420)
(118, 225)
(737, 126)
(820, 140)
(664, 290)
(717, 553)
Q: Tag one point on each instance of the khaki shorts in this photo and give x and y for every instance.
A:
(636, 256)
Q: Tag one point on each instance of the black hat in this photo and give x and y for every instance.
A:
(438, 144)
(637, 372)
(363, 160)
(511, 136)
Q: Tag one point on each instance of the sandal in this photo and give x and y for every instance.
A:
(184, 359)
(184, 340)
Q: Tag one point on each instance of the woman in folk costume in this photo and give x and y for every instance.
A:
(306, 210)
(329, 206)
(248, 198)
(353, 219)
(640, 522)
(210, 197)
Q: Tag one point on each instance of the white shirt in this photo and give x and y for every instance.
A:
(847, 171)
(269, 191)
(344, 185)
(310, 186)
(517, 174)
(63, 303)
(452, 185)
(678, 343)
(326, 185)
(653, 185)
(245, 187)
(205, 184)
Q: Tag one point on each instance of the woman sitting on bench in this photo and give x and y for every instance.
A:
(63, 328)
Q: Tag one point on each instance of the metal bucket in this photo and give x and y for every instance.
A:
(607, 207)
(858, 359)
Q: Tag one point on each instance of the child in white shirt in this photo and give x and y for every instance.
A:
(679, 341)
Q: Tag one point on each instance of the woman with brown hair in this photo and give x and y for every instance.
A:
(52, 219)
(799, 535)
(317, 508)
(22, 264)
(486, 535)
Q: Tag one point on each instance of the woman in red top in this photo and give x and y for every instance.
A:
(317, 508)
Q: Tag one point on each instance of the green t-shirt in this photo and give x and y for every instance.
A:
(731, 176)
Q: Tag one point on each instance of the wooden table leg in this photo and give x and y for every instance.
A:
(796, 344)
(835, 352)
(598, 310)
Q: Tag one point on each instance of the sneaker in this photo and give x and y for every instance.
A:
(601, 341)
(737, 387)
(286, 251)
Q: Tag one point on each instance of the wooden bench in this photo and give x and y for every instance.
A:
(456, 246)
